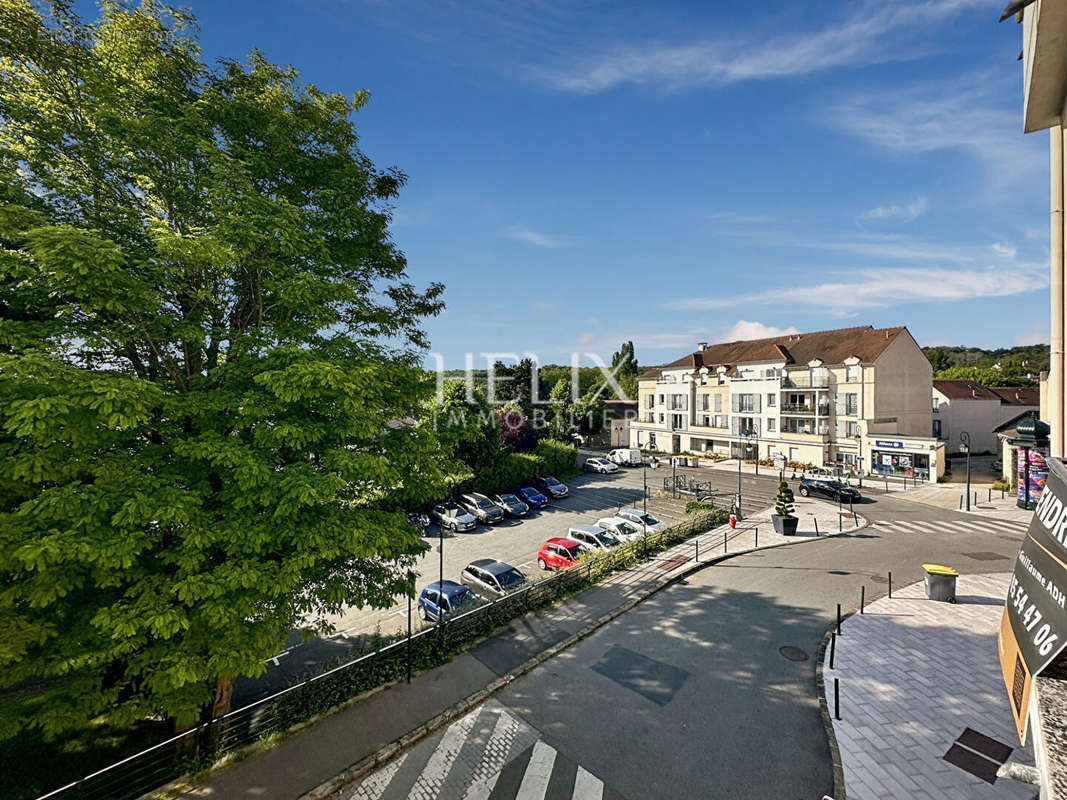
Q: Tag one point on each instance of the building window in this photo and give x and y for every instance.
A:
(718, 403)
(676, 421)
(661, 399)
(661, 418)
(851, 404)
(770, 400)
(652, 441)
(720, 421)
(704, 402)
(934, 405)
(707, 421)
(852, 373)
(650, 400)
(746, 402)
(771, 425)
(852, 430)
(678, 402)
(937, 428)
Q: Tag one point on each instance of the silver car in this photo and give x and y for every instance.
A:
(621, 528)
(485, 510)
(453, 518)
(592, 537)
(642, 519)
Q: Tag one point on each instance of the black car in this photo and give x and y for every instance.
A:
(512, 505)
(489, 576)
(550, 486)
(835, 490)
(485, 510)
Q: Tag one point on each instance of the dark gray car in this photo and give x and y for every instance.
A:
(484, 510)
(512, 505)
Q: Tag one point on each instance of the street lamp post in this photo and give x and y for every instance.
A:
(965, 446)
(644, 513)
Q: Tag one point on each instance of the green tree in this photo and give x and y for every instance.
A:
(521, 389)
(560, 406)
(467, 428)
(625, 368)
(987, 376)
(209, 367)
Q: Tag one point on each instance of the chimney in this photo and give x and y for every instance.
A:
(702, 346)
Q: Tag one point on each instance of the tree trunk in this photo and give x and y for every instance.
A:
(223, 693)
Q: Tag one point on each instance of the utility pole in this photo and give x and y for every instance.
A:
(965, 446)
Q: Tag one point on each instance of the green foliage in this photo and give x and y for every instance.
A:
(698, 507)
(783, 501)
(1001, 485)
(624, 365)
(556, 458)
(987, 376)
(204, 437)
(1019, 366)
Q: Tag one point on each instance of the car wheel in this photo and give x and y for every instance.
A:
(422, 613)
(541, 563)
(803, 491)
(454, 527)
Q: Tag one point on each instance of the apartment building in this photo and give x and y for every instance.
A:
(858, 398)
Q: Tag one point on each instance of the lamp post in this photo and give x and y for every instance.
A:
(965, 446)
(644, 513)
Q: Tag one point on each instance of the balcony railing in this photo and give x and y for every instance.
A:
(805, 382)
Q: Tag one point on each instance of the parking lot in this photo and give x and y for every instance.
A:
(591, 497)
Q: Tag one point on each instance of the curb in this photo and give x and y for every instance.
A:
(386, 753)
(824, 710)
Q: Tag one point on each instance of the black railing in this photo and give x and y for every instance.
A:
(201, 746)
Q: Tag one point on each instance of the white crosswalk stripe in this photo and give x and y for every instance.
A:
(940, 526)
(587, 786)
(538, 773)
(467, 761)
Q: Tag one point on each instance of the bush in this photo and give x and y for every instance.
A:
(1001, 485)
(556, 458)
(697, 507)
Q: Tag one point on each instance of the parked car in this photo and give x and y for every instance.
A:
(419, 520)
(511, 504)
(593, 537)
(626, 456)
(642, 519)
(558, 553)
(453, 518)
(550, 486)
(996, 465)
(599, 465)
(621, 528)
(485, 510)
(530, 496)
(489, 576)
(835, 490)
(441, 599)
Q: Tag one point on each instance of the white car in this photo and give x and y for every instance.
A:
(599, 465)
(642, 519)
(627, 456)
(592, 537)
(621, 528)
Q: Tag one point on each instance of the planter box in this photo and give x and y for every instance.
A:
(787, 526)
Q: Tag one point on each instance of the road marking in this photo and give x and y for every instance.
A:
(538, 773)
(437, 768)
(587, 786)
(375, 785)
(494, 757)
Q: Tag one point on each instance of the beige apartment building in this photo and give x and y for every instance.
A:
(858, 398)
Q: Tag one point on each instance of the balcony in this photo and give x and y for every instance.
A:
(811, 436)
(801, 381)
(805, 409)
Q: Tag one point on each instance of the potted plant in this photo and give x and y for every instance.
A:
(784, 521)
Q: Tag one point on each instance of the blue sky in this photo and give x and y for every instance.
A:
(585, 173)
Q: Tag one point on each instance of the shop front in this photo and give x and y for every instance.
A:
(917, 458)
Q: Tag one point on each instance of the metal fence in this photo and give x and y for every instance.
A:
(199, 747)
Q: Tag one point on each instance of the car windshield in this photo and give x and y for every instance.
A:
(552, 482)
(509, 498)
(626, 528)
(510, 579)
(607, 539)
(651, 520)
(485, 502)
(573, 551)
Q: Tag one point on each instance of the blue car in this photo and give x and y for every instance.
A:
(442, 599)
(530, 496)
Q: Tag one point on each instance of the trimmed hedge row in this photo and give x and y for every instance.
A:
(548, 458)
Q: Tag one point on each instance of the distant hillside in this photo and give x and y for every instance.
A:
(1004, 366)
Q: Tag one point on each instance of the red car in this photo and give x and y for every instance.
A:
(558, 553)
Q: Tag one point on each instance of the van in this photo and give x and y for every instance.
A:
(626, 456)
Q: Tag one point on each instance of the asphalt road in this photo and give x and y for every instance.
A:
(688, 694)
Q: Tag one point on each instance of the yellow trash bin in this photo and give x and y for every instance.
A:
(940, 582)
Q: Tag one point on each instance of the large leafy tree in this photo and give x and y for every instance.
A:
(210, 389)
(624, 367)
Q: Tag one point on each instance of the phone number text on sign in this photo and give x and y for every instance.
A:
(1026, 611)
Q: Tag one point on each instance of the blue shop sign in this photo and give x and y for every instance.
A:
(881, 443)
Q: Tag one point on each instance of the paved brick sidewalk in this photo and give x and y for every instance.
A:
(951, 496)
(914, 674)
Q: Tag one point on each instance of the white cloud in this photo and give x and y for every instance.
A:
(1005, 249)
(744, 329)
(523, 234)
(905, 212)
(873, 33)
(976, 113)
(1036, 336)
(872, 287)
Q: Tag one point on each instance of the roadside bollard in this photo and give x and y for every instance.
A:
(757, 536)
(838, 619)
(839, 522)
(976, 498)
(816, 525)
(989, 495)
(890, 585)
(961, 502)
(833, 647)
(697, 556)
(837, 699)
(863, 597)
(887, 487)
(724, 541)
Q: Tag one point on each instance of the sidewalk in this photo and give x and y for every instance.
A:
(331, 746)
(952, 496)
(914, 676)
